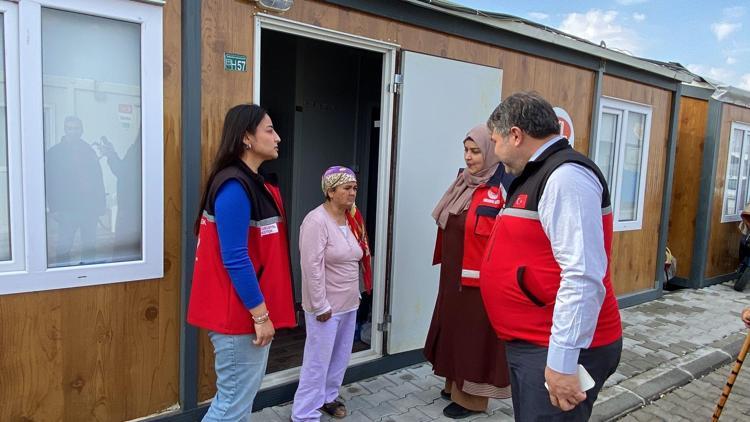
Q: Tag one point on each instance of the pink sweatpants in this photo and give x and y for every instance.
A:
(328, 348)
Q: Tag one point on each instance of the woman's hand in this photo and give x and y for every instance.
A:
(324, 317)
(264, 333)
(264, 330)
(746, 316)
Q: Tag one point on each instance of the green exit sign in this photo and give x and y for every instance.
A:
(235, 62)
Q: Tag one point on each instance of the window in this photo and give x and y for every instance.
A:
(736, 187)
(11, 221)
(88, 208)
(4, 200)
(622, 154)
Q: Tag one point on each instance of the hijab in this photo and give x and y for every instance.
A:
(336, 176)
(458, 196)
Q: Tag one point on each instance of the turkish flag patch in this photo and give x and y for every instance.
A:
(520, 201)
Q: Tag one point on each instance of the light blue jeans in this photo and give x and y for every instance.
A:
(240, 366)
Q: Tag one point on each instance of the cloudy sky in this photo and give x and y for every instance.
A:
(709, 38)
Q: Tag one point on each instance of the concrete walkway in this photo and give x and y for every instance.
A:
(693, 402)
(667, 344)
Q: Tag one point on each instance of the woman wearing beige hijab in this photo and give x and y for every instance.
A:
(461, 344)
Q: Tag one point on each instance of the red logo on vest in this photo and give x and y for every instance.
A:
(520, 202)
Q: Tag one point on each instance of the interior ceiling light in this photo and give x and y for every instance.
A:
(276, 5)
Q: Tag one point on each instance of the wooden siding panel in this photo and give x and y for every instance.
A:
(31, 361)
(564, 86)
(108, 352)
(723, 253)
(634, 252)
(688, 160)
(226, 26)
(97, 330)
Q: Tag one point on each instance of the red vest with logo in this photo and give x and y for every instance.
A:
(214, 303)
(486, 202)
(520, 276)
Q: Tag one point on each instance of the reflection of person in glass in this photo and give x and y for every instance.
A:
(75, 193)
(127, 169)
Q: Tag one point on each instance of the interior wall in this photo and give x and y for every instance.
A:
(723, 245)
(278, 95)
(634, 252)
(368, 109)
(322, 110)
(691, 135)
(108, 352)
(279, 70)
(325, 127)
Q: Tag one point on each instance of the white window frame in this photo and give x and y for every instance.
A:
(35, 274)
(734, 217)
(615, 149)
(623, 109)
(9, 12)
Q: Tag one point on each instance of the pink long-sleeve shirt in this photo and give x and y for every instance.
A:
(329, 257)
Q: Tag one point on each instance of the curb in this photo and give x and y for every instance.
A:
(631, 394)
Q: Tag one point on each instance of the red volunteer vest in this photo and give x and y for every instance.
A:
(214, 303)
(486, 202)
(520, 276)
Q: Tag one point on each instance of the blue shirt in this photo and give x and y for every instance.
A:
(232, 213)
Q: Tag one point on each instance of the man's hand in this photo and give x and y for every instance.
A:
(746, 316)
(564, 390)
(106, 148)
(324, 317)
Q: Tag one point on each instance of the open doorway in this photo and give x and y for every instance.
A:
(325, 101)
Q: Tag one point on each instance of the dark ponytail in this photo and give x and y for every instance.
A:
(240, 119)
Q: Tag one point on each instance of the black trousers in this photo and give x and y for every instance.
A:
(531, 399)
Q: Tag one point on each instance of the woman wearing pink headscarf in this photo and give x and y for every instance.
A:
(461, 344)
(333, 248)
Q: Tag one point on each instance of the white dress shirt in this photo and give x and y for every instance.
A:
(571, 217)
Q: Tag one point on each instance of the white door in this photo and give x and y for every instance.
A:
(441, 100)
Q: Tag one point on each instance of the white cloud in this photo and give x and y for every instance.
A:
(734, 12)
(731, 60)
(630, 2)
(717, 73)
(736, 51)
(639, 17)
(744, 81)
(723, 29)
(722, 74)
(539, 16)
(597, 25)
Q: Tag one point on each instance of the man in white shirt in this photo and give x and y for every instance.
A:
(545, 280)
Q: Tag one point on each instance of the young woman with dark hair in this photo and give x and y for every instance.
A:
(242, 289)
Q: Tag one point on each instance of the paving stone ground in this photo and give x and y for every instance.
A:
(667, 343)
(697, 400)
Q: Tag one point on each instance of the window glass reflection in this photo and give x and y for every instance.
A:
(92, 118)
(5, 251)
